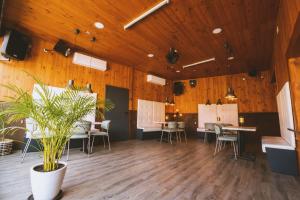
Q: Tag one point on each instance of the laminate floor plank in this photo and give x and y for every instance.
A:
(148, 170)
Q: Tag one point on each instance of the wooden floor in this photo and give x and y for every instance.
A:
(149, 170)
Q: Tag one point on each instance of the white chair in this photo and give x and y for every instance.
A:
(172, 128)
(180, 130)
(31, 133)
(103, 132)
(80, 131)
(222, 139)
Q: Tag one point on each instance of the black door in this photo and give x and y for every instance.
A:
(119, 128)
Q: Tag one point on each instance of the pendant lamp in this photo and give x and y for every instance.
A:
(219, 102)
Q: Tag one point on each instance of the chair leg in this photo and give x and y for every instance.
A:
(185, 136)
(216, 147)
(162, 134)
(68, 150)
(108, 142)
(234, 150)
(170, 137)
(179, 134)
(88, 146)
(219, 146)
(103, 141)
(177, 139)
(83, 145)
(92, 144)
(25, 149)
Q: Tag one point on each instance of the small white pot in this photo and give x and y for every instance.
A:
(46, 185)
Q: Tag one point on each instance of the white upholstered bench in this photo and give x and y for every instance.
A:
(281, 155)
(275, 142)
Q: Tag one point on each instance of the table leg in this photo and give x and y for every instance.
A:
(241, 148)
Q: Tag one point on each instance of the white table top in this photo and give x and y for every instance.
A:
(240, 128)
(160, 122)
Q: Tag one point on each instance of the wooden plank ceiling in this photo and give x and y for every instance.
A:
(248, 26)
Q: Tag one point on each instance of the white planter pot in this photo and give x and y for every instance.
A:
(46, 185)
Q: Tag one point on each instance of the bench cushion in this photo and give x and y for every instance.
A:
(275, 142)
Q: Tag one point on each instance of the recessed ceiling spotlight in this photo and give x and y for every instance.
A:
(99, 25)
(243, 78)
(150, 55)
(217, 31)
(194, 70)
(177, 71)
(230, 58)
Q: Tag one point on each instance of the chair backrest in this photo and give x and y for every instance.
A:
(209, 126)
(172, 125)
(105, 124)
(181, 125)
(81, 127)
(218, 130)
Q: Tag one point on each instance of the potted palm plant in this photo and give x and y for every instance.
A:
(5, 144)
(55, 115)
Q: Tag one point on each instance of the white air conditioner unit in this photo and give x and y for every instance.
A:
(88, 61)
(156, 80)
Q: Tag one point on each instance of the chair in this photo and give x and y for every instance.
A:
(180, 130)
(230, 133)
(80, 132)
(222, 139)
(31, 133)
(103, 132)
(172, 128)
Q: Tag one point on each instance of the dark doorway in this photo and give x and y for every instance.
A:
(119, 128)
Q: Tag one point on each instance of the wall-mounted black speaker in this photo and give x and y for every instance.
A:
(178, 88)
(62, 48)
(253, 73)
(193, 83)
(15, 45)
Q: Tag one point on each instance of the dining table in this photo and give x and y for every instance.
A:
(241, 130)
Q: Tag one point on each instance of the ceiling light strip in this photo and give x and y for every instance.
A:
(200, 62)
(145, 14)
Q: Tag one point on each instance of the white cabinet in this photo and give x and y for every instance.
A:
(226, 113)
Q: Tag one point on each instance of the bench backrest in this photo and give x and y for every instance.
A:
(149, 112)
(285, 113)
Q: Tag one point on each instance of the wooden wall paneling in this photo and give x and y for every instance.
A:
(148, 91)
(56, 70)
(287, 15)
(294, 68)
(254, 94)
(293, 50)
